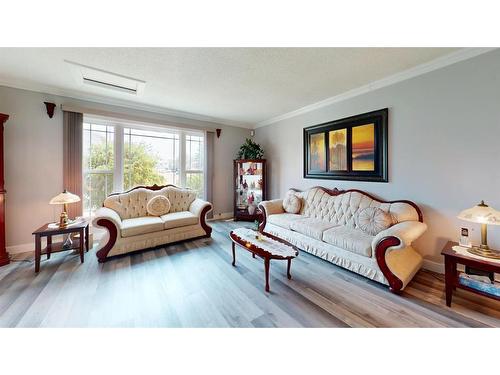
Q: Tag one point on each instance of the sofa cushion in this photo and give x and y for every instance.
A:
(373, 220)
(311, 227)
(292, 203)
(141, 225)
(179, 219)
(180, 199)
(283, 220)
(349, 239)
(131, 204)
(158, 205)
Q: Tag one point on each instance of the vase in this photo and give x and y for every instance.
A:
(251, 209)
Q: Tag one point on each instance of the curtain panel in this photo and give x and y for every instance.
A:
(72, 159)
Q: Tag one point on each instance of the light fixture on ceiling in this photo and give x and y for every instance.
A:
(89, 76)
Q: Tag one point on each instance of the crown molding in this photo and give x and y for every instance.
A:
(440, 62)
(73, 94)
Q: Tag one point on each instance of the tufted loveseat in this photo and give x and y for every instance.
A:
(327, 225)
(129, 227)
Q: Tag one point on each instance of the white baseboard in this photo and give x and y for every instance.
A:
(433, 266)
(23, 248)
(222, 216)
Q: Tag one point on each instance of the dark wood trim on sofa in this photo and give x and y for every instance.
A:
(102, 254)
(150, 187)
(395, 284)
(203, 220)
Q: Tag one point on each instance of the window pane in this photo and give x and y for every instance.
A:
(98, 164)
(194, 153)
(150, 158)
(194, 181)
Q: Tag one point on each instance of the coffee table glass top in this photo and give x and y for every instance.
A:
(265, 243)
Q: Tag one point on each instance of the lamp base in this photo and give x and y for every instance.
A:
(487, 253)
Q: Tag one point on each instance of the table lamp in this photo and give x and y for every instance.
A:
(64, 198)
(484, 215)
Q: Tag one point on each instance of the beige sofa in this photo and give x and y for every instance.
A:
(130, 228)
(327, 227)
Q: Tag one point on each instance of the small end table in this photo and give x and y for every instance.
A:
(82, 228)
(452, 258)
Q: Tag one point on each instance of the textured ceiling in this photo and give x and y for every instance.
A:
(240, 85)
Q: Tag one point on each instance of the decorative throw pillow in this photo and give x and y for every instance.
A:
(292, 203)
(158, 205)
(373, 220)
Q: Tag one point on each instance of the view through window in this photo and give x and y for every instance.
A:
(118, 157)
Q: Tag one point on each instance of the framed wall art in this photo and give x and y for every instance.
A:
(354, 148)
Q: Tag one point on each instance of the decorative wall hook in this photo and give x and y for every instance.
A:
(218, 131)
(50, 108)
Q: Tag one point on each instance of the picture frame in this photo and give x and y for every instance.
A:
(353, 148)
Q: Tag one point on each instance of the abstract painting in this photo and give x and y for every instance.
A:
(363, 148)
(353, 148)
(337, 140)
(317, 156)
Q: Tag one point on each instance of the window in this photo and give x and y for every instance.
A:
(150, 158)
(98, 165)
(194, 163)
(118, 157)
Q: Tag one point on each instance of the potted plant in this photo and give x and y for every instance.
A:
(250, 150)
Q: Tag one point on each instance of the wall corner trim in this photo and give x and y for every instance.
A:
(440, 62)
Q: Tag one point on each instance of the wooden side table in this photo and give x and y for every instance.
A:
(452, 258)
(82, 228)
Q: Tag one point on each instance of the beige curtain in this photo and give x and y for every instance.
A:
(210, 136)
(72, 156)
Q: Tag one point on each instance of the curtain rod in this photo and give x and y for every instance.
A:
(125, 117)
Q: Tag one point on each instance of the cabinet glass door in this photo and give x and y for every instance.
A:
(249, 186)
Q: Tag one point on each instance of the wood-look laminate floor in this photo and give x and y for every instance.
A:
(194, 285)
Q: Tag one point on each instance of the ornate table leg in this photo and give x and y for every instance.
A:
(288, 274)
(234, 254)
(38, 252)
(267, 262)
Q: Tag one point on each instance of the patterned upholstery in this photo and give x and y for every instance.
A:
(134, 203)
(342, 209)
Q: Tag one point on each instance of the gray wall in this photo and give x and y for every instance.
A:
(33, 158)
(444, 146)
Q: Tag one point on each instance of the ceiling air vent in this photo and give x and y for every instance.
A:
(89, 76)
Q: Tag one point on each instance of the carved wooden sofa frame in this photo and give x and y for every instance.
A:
(102, 254)
(395, 284)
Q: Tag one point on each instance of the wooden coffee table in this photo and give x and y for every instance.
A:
(266, 247)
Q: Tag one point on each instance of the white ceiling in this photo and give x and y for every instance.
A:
(240, 86)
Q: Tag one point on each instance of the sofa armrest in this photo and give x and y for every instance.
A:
(196, 208)
(395, 256)
(272, 207)
(406, 232)
(200, 208)
(108, 214)
(110, 220)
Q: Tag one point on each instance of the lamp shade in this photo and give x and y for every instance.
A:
(64, 198)
(482, 214)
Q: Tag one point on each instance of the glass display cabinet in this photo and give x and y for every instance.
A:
(249, 188)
